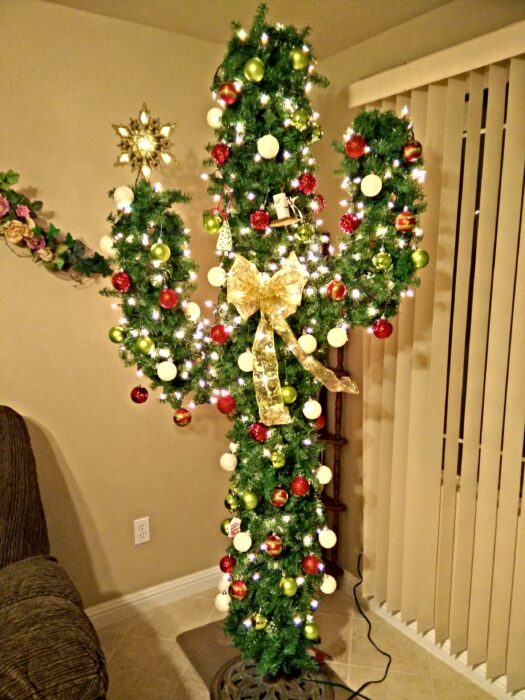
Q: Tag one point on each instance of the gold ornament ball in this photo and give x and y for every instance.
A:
(304, 232)
(144, 344)
(300, 119)
(254, 70)
(160, 251)
(299, 58)
(212, 223)
(225, 526)
(288, 586)
(231, 501)
(420, 258)
(311, 631)
(259, 621)
(277, 459)
(382, 261)
(116, 334)
(249, 500)
(288, 393)
(317, 133)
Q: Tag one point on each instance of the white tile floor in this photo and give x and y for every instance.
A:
(145, 661)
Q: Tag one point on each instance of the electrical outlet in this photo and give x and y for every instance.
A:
(141, 530)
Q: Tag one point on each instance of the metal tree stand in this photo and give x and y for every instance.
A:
(238, 680)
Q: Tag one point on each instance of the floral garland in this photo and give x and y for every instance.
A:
(58, 252)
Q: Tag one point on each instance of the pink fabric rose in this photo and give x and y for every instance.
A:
(22, 211)
(35, 242)
(4, 206)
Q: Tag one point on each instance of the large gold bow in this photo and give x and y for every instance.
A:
(276, 297)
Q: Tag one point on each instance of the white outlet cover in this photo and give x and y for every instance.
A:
(141, 530)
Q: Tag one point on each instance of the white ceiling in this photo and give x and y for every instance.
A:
(336, 24)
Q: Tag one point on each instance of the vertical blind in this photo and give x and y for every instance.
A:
(444, 408)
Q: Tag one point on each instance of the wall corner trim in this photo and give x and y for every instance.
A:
(499, 45)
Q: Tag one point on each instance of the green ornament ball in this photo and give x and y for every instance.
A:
(299, 58)
(311, 631)
(160, 251)
(231, 501)
(289, 393)
(144, 344)
(420, 258)
(254, 70)
(317, 133)
(382, 261)
(277, 459)
(116, 334)
(249, 500)
(259, 621)
(225, 526)
(288, 586)
(300, 119)
(212, 223)
(304, 232)
(157, 280)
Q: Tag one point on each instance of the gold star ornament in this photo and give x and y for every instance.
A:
(144, 142)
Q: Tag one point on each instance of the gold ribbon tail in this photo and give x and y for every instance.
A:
(328, 378)
(272, 410)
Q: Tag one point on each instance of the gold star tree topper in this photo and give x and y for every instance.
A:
(144, 142)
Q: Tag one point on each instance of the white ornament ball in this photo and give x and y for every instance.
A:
(106, 246)
(216, 276)
(371, 185)
(329, 584)
(323, 474)
(245, 361)
(228, 462)
(327, 538)
(192, 311)
(214, 117)
(166, 371)
(312, 409)
(224, 584)
(123, 196)
(233, 447)
(268, 146)
(307, 343)
(242, 541)
(222, 602)
(336, 337)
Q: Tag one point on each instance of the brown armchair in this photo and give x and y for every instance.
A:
(48, 646)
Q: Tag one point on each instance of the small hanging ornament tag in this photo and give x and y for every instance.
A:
(281, 205)
(234, 527)
(224, 239)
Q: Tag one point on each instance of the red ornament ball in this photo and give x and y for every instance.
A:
(382, 328)
(310, 564)
(226, 404)
(320, 422)
(259, 219)
(405, 222)
(220, 153)
(258, 432)
(307, 183)
(349, 223)
(279, 497)
(182, 417)
(227, 564)
(168, 299)
(274, 545)
(336, 290)
(121, 281)
(139, 394)
(238, 589)
(320, 202)
(355, 146)
(300, 486)
(228, 93)
(219, 334)
(412, 151)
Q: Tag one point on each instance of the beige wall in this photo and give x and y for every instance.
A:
(446, 26)
(66, 77)
(102, 461)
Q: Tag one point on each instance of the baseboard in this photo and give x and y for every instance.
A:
(123, 607)
(496, 688)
